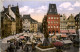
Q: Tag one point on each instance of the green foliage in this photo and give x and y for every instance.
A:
(59, 50)
(45, 27)
(44, 47)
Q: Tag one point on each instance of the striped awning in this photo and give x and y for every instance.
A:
(72, 31)
(64, 35)
(64, 31)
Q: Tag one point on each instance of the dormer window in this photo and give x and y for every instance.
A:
(55, 10)
(50, 10)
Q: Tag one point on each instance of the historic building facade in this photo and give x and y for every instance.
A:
(26, 22)
(77, 21)
(34, 26)
(53, 19)
(29, 24)
(11, 22)
(8, 25)
(63, 24)
(71, 24)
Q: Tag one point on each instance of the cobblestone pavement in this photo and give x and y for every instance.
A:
(20, 50)
(72, 49)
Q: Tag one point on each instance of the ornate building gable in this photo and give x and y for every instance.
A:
(71, 18)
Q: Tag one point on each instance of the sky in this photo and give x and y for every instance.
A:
(37, 9)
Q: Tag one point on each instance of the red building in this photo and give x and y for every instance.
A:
(53, 19)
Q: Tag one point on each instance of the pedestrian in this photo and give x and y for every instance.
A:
(26, 49)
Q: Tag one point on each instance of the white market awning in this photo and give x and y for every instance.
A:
(57, 34)
(73, 34)
(51, 34)
(67, 41)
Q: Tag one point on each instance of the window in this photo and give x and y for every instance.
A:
(57, 22)
(57, 26)
(48, 17)
(50, 10)
(57, 17)
(48, 26)
(51, 17)
(48, 22)
(51, 26)
(54, 17)
(55, 10)
(54, 26)
(51, 22)
(56, 31)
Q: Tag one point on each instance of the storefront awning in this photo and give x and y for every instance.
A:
(64, 35)
(57, 34)
(54, 37)
(72, 31)
(63, 31)
(67, 41)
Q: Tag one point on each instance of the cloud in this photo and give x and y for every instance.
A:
(65, 5)
(70, 8)
(36, 13)
(41, 9)
(76, 4)
(26, 10)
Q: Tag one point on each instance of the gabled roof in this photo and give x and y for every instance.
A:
(71, 18)
(29, 18)
(10, 17)
(77, 16)
(6, 10)
(14, 8)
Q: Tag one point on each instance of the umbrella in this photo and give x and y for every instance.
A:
(38, 36)
(28, 43)
(26, 35)
(58, 44)
(21, 37)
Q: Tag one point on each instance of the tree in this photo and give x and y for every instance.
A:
(45, 31)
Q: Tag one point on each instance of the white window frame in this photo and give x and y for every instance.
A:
(57, 26)
(48, 26)
(48, 22)
(51, 17)
(54, 17)
(57, 18)
(54, 26)
(51, 26)
(48, 17)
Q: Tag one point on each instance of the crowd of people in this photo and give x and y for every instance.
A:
(15, 45)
